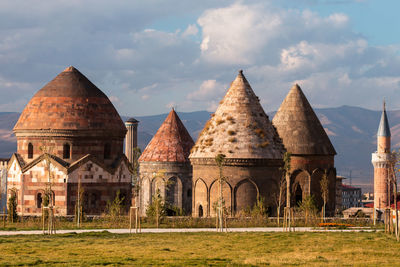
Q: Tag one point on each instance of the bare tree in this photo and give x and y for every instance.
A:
(135, 178)
(279, 197)
(324, 183)
(285, 180)
(395, 162)
(219, 159)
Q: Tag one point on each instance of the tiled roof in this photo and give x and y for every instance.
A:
(240, 128)
(171, 143)
(70, 102)
(299, 127)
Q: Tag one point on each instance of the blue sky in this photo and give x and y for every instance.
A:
(150, 55)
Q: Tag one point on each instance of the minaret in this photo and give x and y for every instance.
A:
(131, 138)
(381, 161)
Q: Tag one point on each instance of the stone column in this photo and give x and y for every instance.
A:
(131, 138)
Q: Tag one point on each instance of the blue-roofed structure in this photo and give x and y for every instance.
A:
(384, 129)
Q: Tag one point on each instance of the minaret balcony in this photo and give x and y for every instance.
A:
(382, 157)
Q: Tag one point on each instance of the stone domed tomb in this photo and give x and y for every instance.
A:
(165, 166)
(73, 124)
(242, 131)
(312, 153)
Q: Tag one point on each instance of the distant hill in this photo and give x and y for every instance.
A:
(352, 131)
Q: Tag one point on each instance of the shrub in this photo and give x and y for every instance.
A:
(231, 119)
(12, 208)
(208, 142)
(232, 140)
(263, 144)
(260, 132)
(231, 132)
(116, 207)
(219, 121)
(157, 209)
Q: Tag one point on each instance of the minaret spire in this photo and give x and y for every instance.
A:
(384, 129)
(382, 161)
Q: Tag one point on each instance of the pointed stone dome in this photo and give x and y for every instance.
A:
(70, 102)
(171, 143)
(299, 126)
(240, 128)
(384, 129)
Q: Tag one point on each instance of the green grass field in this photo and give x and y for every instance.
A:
(183, 249)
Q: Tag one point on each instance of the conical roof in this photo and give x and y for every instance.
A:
(171, 143)
(70, 102)
(240, 128)
(299, 126)
(384, 129)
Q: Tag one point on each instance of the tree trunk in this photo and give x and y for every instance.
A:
(396, 227)
(279, 209)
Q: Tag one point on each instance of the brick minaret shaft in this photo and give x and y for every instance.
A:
(131, 139)
(381, 161)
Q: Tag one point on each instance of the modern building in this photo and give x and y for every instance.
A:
(68, 134)
(339, 194)
(351, 197)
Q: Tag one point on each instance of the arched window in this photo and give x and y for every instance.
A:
(50, 196)
(200, 211)
(107, 151)
(30, 151)
(93, 198)
(39, 200)
(66, 151)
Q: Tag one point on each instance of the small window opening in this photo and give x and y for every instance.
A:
(39, 200)
(200, 211)
(30, 151)
(107, 151)
(66, 151)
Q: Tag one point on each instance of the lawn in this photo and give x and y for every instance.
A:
(183, 249)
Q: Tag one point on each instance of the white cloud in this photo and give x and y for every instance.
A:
(123, 49)
(231, 35)
(210, 93)
(209, 90)
(190, 30)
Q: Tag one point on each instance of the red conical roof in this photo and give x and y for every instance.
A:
(171, 143)
(70, 102)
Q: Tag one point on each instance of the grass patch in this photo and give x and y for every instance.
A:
(199, 249)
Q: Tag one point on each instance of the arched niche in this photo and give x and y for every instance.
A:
(145, 193)
(246, 193)
(215, 194)
(158, 185)
(174, 192)
(300, 182)
(200, 197)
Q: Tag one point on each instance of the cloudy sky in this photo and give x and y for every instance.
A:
(150, 55)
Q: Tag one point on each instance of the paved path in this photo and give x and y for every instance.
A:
(189, 230)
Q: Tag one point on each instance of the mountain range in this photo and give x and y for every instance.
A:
(352, 131)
